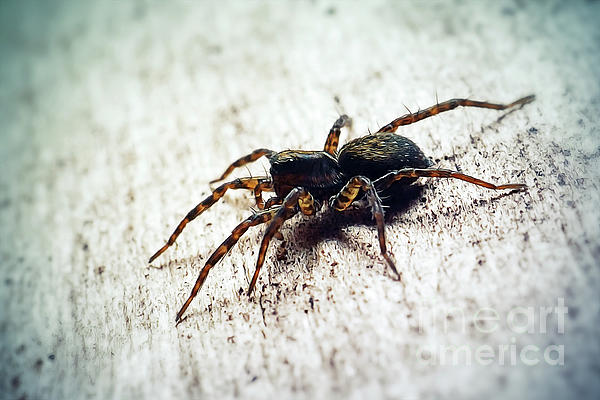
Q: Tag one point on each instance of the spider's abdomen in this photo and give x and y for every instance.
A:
(316, 171)
(375, 155)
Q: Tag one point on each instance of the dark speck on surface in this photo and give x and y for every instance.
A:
(508, 11)
(38, 365)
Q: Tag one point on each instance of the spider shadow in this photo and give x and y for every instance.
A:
(329, 224)
(303, 236)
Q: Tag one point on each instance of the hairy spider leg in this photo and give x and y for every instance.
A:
(346, 196)
(296, 198)
(255, 219)
(255, 155)
(333, 139)
(447, 106)
(264, 186)
(387, 180)
(241, 183)
(273, 201)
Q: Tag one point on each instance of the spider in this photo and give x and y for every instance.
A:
(303, 181)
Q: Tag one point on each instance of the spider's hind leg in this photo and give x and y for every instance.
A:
(349, 193)
(411, 118)
(387, 180)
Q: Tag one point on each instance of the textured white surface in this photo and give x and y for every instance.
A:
(115, 117)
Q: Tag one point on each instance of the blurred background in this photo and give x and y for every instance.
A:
(116, 115)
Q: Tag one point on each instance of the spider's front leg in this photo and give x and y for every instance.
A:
(297, 198)
(255, 219)
(265, 185)
(348, 194)
(255, 184)
(333, 139)
(255, 155)
(387, 180)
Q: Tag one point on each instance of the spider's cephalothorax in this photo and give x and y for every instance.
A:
(316, 171)
(305, 180)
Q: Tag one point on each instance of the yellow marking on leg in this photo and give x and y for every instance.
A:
(331, 144)
(306, 204)
(347, 195)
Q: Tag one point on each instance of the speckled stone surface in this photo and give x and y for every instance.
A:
(115, 116)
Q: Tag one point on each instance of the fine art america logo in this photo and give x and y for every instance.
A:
(517, 329)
